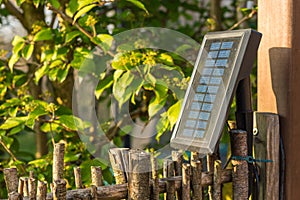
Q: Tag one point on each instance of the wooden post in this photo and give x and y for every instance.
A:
(25, 187)
(119, 161)
(177, 158)
(58, 161)
(59, 190)
(14, 196)
(139, 181)
(210, 168)
(32, 188)
(266, 144)
(155, 181)
(186, 177)
(217, 194)
(196, 166)
(170, 189)
(278, 79)
(11, 179)
(96, 173)
(42, 190)
(21, 186)
(240, 172)
(77, 176)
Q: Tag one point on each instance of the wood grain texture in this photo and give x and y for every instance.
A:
(266, 145)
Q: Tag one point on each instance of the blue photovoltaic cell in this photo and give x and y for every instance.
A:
(207, 71)
(218, 72)
(227, 45)
(201, 125)
(190, 123)
(199, 97)
(188, 132)
(204, 115)
(224, 54)
(210, 98)
(213, 89)
(215, 46)
(207, 107)
(204, 79)
(212, 54)
(209, 63)
(215, 80)
(201, 88)
(193, 114)
(199, 133)
(221, 62)
(196, 106)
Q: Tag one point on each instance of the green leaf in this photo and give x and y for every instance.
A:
(34, 115)
(139, 5)
(13, 111)
(155, 105)
(63, 73)
(166, 59)
(19, 80)
(8, 141)
(38, 162)
(55, 3)
(18, 43)
(68, 121)
(83, 11)
(13, 122)
(40, 73)
(19, 2)
(104, 41)
(162, 125)
(27, 51)
(16, 130)
(103, 85)
(12, 61)
(49, 127)
(71, 35)
(36, 3)
(119, 88)
(71, 157)
(44, 34)
(173, 112)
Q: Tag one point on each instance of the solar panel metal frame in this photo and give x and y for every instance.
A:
(241, 65)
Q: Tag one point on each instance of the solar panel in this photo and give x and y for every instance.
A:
(224, 59)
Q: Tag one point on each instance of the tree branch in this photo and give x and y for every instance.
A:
(249, 16)
(81, 29)
(15, 12)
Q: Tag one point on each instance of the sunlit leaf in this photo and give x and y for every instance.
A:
(139, 5)
(173, 112)
(83, 11)
(71, 35)
(103, 85)
(27, 51)
(13, 122)
(44, 34)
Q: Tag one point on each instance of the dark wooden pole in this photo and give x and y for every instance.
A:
(155, 178)
(186, 181)
(11, 179)
(196, 166)
(139, 178)
(240, 172)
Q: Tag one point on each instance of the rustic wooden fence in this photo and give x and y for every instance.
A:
(137, 178)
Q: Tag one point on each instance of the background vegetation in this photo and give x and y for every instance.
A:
(37, 74)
